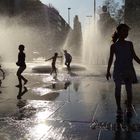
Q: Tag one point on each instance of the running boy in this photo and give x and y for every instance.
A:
(22, 66)
(68, 59)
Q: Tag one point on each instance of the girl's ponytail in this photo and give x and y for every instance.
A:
(115, 36)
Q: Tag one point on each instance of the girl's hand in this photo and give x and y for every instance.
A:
(108, 76)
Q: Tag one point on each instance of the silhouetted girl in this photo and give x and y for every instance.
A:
(123, 65)
(22, 65)
(54, 58)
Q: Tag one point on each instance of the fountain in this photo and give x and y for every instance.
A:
(95, 48)
(97, 40)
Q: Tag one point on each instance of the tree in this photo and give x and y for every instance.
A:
(115, 9)
(106, 23)
(120, 15)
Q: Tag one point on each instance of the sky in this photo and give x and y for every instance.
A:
(82, 8)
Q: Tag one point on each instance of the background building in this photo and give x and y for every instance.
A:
(44, 19)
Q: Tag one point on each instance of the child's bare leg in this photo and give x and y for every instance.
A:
(51, 71)
(118, 94)
(19, 79)
(19, 76)
(128, 86)
(24, 79)
(55, 70)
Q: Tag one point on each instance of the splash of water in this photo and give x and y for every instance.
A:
(12, 34)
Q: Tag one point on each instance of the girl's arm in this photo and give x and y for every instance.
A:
(59, 56)
(136, 58)
(49, 59)
(108, 75)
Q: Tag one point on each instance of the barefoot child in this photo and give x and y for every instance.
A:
(123, 65)
(68, 59)
(22, 66)
(54, 58)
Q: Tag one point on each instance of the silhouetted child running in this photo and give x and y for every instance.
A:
(22, 66)
(123, 65)
(54, 58)
(68, 59)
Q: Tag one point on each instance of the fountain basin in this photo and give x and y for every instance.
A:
(76, 67)
(42, 69)
(47, 69)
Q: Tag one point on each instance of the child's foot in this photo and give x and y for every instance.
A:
(118, 127)
(129, 112)
(19, 86)
(25, 82)
(119, 112)
(18, 97)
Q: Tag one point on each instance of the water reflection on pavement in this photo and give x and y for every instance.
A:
(62, 109)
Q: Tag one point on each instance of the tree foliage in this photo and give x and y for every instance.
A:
(115, 9)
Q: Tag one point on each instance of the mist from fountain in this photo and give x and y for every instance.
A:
(13, 34)
(95, 50)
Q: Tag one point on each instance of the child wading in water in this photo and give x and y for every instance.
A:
(54, 58)
(22, 66)
(123, 65)
(68, 59)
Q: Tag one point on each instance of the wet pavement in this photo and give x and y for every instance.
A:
(76, 106)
